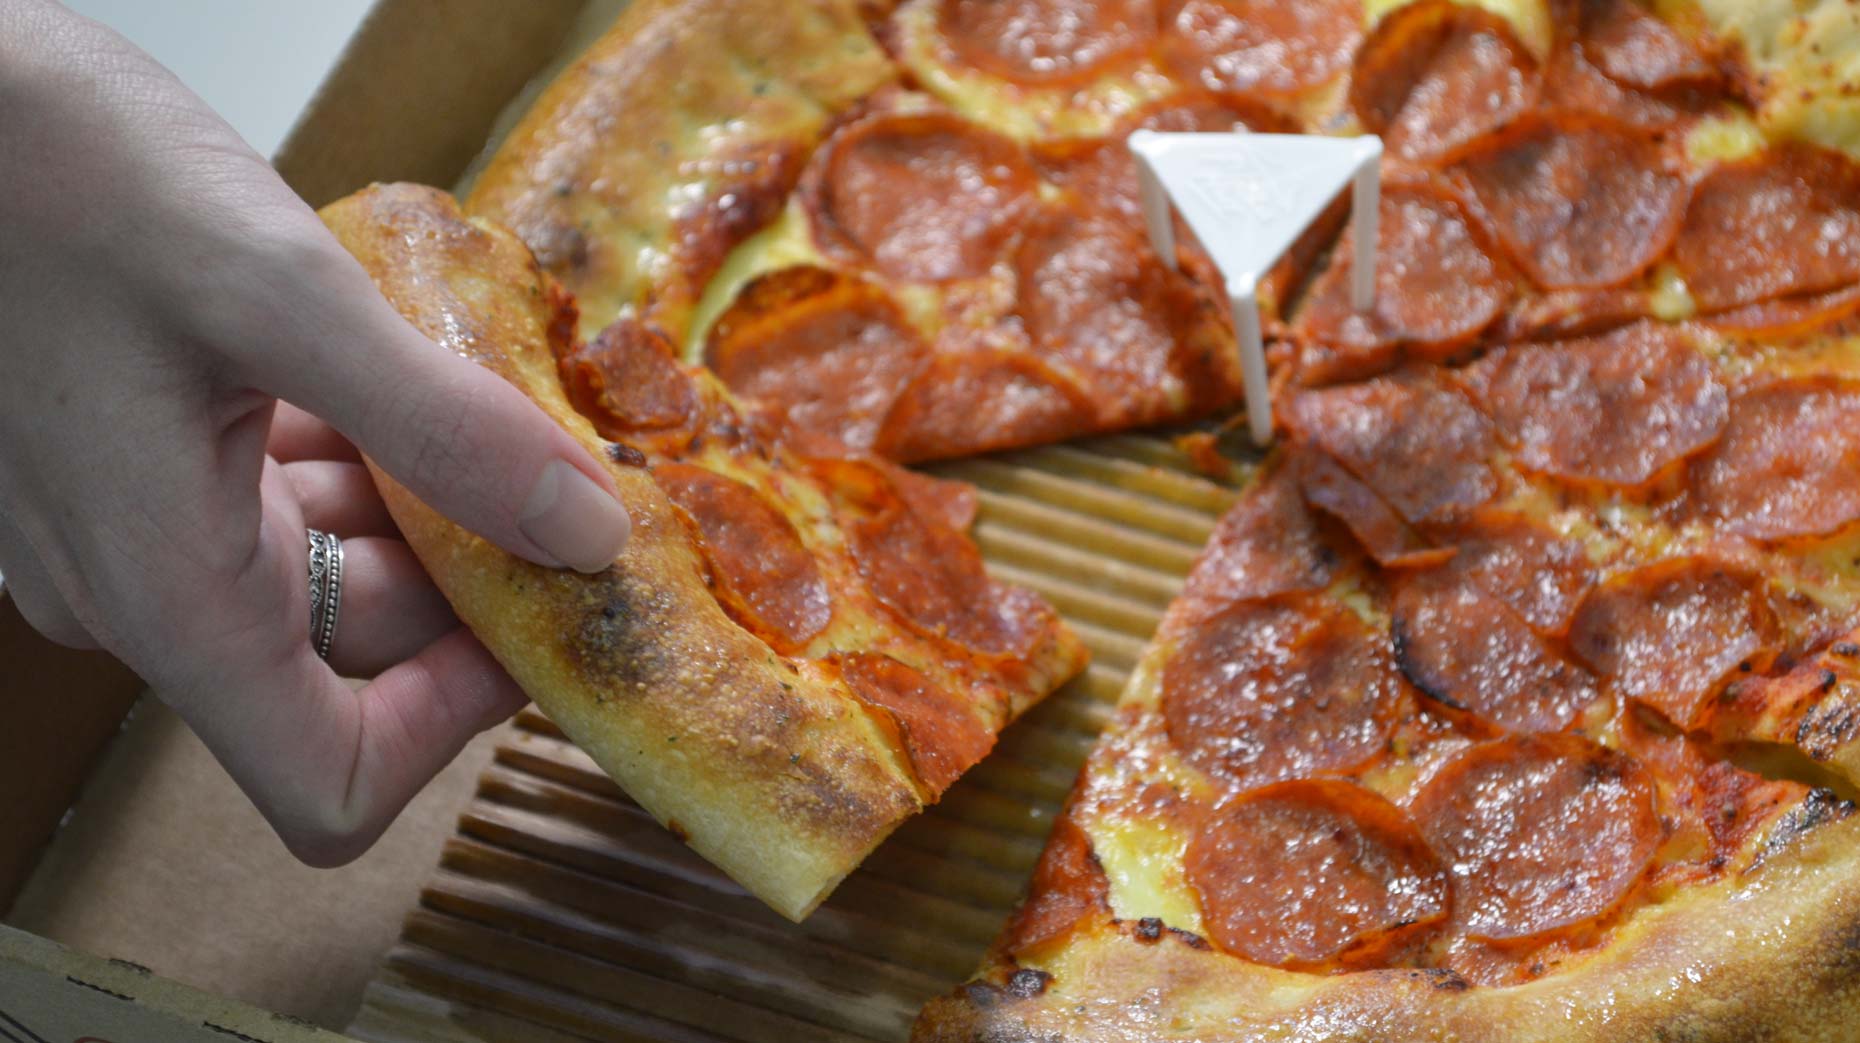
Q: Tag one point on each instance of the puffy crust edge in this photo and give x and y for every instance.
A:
(1772, 954)
(767, 771)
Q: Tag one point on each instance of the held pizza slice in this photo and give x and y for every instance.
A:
(794, 654)
(1511, 701)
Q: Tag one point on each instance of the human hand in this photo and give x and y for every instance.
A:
(164, 295)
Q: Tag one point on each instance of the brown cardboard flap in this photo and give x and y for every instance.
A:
(417, 91)
(62, 707)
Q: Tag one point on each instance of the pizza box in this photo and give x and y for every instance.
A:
(522, 896)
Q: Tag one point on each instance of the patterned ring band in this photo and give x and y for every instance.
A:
(325, 589)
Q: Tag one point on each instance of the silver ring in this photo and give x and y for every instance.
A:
(325, 589)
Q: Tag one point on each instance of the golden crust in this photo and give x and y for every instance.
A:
(767, 770)
(1772, 955)
(678, 133)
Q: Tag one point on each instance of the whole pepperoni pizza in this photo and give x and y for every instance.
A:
(1518, 696)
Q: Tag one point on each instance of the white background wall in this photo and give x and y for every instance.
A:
(255, 61)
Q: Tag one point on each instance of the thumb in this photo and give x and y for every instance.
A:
(463, 439)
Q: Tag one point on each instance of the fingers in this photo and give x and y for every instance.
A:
(389, 611)
(29, 586)
(297, 436)
(330, 766)
(460, 437)
(339, 498)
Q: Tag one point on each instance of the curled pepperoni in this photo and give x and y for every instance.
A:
(1046, 41)
(1068, 886)
(1437, 288)
(1261, 46)
(1613, 410)
(1828, 313)
(1376, 526)
(758, 564)
(1784, 221)
(830, 352)
(1272, 689)
(1636, 49)
(928, 573)
(941, 733)
(627, 381)
(1541, 834)
(926, 196)
(1266, 544)
(1537, 573)
(1416, 441)
(1467, 649)
(1314, 874)
(1673, 633)
(1093, 295)
(1786, 464)
(981, 399)
(1435, 76)
(1578, 201)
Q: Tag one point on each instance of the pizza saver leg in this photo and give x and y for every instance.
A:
(1248, 197)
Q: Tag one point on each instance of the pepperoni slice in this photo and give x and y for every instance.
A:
(1573, 313)
(1261, 46)
(1095, 296)
(941, 733)
(1613, 410)
(981, 399)
(830, 352)
(1785, 221)
(1541, 834)
(1467, 649)
(1314, 874)
(1785, 465)
(1376, 526)
(758, 564)
(1578, 201)
(1272, 689)
(1636, 49)
(928, 573)
(1537, 573)
(1266, 544)
(1671, 634)
(1046, 41)
(1437, 288)
(1435, 76)
(627, 381)
(1792, 316)
(1068, 886)
(1411, 438)
(949, 502)
(926, 196)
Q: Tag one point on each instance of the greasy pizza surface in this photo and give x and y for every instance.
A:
(794, 653)
(1516, 698)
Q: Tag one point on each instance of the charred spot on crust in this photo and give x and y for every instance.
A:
(1820, 807)
(1828, 726)
(1440, 978)
(1027, 983)
(673, 826)
(1149, 929)
(612, 638)
(625, 455)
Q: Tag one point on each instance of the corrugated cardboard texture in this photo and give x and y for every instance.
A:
(561, 910)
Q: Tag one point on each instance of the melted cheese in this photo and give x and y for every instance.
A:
(784, 244)
(1807, 54)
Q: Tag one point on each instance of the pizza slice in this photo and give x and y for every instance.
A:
(1508, 698)
(795, 652)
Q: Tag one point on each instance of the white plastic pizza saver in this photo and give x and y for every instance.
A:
(1248, 197)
